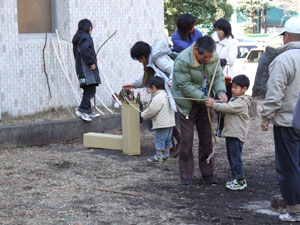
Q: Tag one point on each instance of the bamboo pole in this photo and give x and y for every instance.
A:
(208, 113)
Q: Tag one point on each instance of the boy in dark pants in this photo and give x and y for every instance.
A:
(235, 130)
(86, 68)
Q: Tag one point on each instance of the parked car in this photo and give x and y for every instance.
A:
(251, 64)
(243, 50)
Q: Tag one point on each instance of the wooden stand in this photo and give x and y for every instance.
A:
(131, 130)
(129, 141)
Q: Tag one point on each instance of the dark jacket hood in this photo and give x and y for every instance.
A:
(79, 34)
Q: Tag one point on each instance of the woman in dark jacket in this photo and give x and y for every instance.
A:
(86, 68)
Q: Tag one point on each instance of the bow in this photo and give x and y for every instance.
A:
(99, 67)
(209, 117)
(105, 42)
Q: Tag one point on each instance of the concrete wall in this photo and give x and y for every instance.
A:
(23, 86)
(56, 131)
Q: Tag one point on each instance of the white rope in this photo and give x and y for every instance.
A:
(60, 50)
(109, 87)
(65, 73)
(195, 99)
(132, 104)
(59, 87)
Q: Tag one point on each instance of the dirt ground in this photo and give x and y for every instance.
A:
(67, 183)
(52, 114)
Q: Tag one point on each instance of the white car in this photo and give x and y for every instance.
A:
(243, 50)
(251, 64)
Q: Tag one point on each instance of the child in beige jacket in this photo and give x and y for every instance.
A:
(235, 128)
(163, 119)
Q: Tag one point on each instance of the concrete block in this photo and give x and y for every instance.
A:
(100, 140)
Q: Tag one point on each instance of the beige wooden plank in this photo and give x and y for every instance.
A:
(100, 140)
(131, 130)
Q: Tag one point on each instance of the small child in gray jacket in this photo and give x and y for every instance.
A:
(163, 119)
(235, 128)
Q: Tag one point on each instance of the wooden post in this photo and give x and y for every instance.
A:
(131, 130)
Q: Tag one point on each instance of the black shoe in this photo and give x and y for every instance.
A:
(186, 181)
(210, 179)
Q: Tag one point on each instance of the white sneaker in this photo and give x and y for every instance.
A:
(289, 217)
(94, 115)
(235, 185)
(84, 116)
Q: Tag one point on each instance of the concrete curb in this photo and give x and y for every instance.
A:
(52, 132)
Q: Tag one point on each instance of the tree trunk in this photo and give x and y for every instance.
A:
(254, 22)
(259, 20)
(265, 21)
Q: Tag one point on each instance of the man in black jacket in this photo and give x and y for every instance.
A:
(86, 68)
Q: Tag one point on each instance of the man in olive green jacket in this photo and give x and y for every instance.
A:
(193, 71)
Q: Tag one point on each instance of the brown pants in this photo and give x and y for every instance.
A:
(197, 116)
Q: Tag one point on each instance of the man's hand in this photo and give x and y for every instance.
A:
(93, 67)
(209, 102)
(170, 84)
(127, 86)
(223, 98)
(264, 126)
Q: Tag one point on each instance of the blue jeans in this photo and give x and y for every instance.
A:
(163, 138)
(287, 162)
(234, 154)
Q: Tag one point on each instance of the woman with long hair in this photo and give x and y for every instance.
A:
(227, 51)
(186, 33)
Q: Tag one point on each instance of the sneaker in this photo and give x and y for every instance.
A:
(94, 115)
(210, 179)
(84, 116)
(165, 158)
(236, 185)
(155, 159)
(289, 217)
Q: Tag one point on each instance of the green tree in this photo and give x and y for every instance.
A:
(206, 12)
(256, 10)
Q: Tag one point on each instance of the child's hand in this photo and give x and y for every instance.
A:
(209, 102)
(93, 67)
